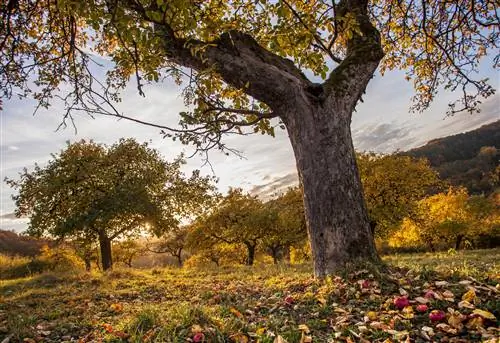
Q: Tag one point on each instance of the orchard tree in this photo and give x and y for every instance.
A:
(125, 251)
(286, 225)
(239, 218)
(243, 65)
(96, 193)
(172, 242)
(393, 185)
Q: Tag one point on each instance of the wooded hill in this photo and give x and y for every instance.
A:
(13, 244)
(469, 159)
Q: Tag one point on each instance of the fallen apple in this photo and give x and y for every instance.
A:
(401, 302)
(437, 315)
(422, 308)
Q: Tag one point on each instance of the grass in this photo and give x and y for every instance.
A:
(241, 304)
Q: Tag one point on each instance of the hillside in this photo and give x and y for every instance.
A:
(469, 159)
(13, 244)
(462, 146)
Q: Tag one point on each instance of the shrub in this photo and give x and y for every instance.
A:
(59, 259)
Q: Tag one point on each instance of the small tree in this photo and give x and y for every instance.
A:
(103, 193)
(237, 219)
(447, 218)
(125, 251)
(286, 226)
(172, 242)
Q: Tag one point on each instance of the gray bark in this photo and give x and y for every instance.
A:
(336, 215)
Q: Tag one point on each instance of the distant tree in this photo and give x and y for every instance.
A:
(392, 186)
(448, 218)
(204, 247)
(125, 251)
(286, 225)
(172, 242)
(238, 218)
(102, 193)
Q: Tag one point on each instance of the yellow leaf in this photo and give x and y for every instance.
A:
(372, 315)
(304, 328)
(470, 296)
(260, 331)
(484, 314)
(196, 328)
(116, 307)
(239, 338)
(475, 323)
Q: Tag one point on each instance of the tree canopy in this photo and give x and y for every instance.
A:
(90, 191)
(393, 184)
(437, 43)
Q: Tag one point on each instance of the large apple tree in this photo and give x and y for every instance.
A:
(243, 66)
(92, 193)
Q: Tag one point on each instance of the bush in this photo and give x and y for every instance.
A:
(59, 259)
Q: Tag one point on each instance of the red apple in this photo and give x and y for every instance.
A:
(429, 295)
(437, 315)
(401, 302)
(422, 308)
(198, 337)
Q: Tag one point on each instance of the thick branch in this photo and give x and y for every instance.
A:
(364, 53)
(241, 62)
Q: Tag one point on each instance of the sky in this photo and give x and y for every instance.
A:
(382, 123)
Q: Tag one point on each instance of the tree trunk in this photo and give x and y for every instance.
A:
(105, 245)
(286, 255)
(458, 241)
(179, 258)
(215, 260)
(250, 253)
(88, 265)
(275, 253)
(336, 215)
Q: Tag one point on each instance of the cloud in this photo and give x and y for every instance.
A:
(9, 216)
(275, 186)
(383, 137)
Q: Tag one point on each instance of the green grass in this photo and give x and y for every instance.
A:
(242, 304)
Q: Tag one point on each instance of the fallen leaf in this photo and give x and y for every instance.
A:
(455, 319)
(236, 312)
(196, 328)
(448, 296)
(372, 315)
(470, 296)
(421, 300)
(446, 328)
(465, 304)
(484, 314)
(280, 339)
(239, 338)
(117, 307)
(476, 322)
(304, 328)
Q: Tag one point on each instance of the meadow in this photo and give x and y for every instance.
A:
(441, 297)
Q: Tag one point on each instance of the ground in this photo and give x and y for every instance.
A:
(262, 304)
